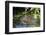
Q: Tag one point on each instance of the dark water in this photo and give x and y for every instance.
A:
(21, 25)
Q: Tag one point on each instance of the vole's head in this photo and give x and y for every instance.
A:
(27, 19)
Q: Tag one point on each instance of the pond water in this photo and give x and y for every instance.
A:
(21, 25)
